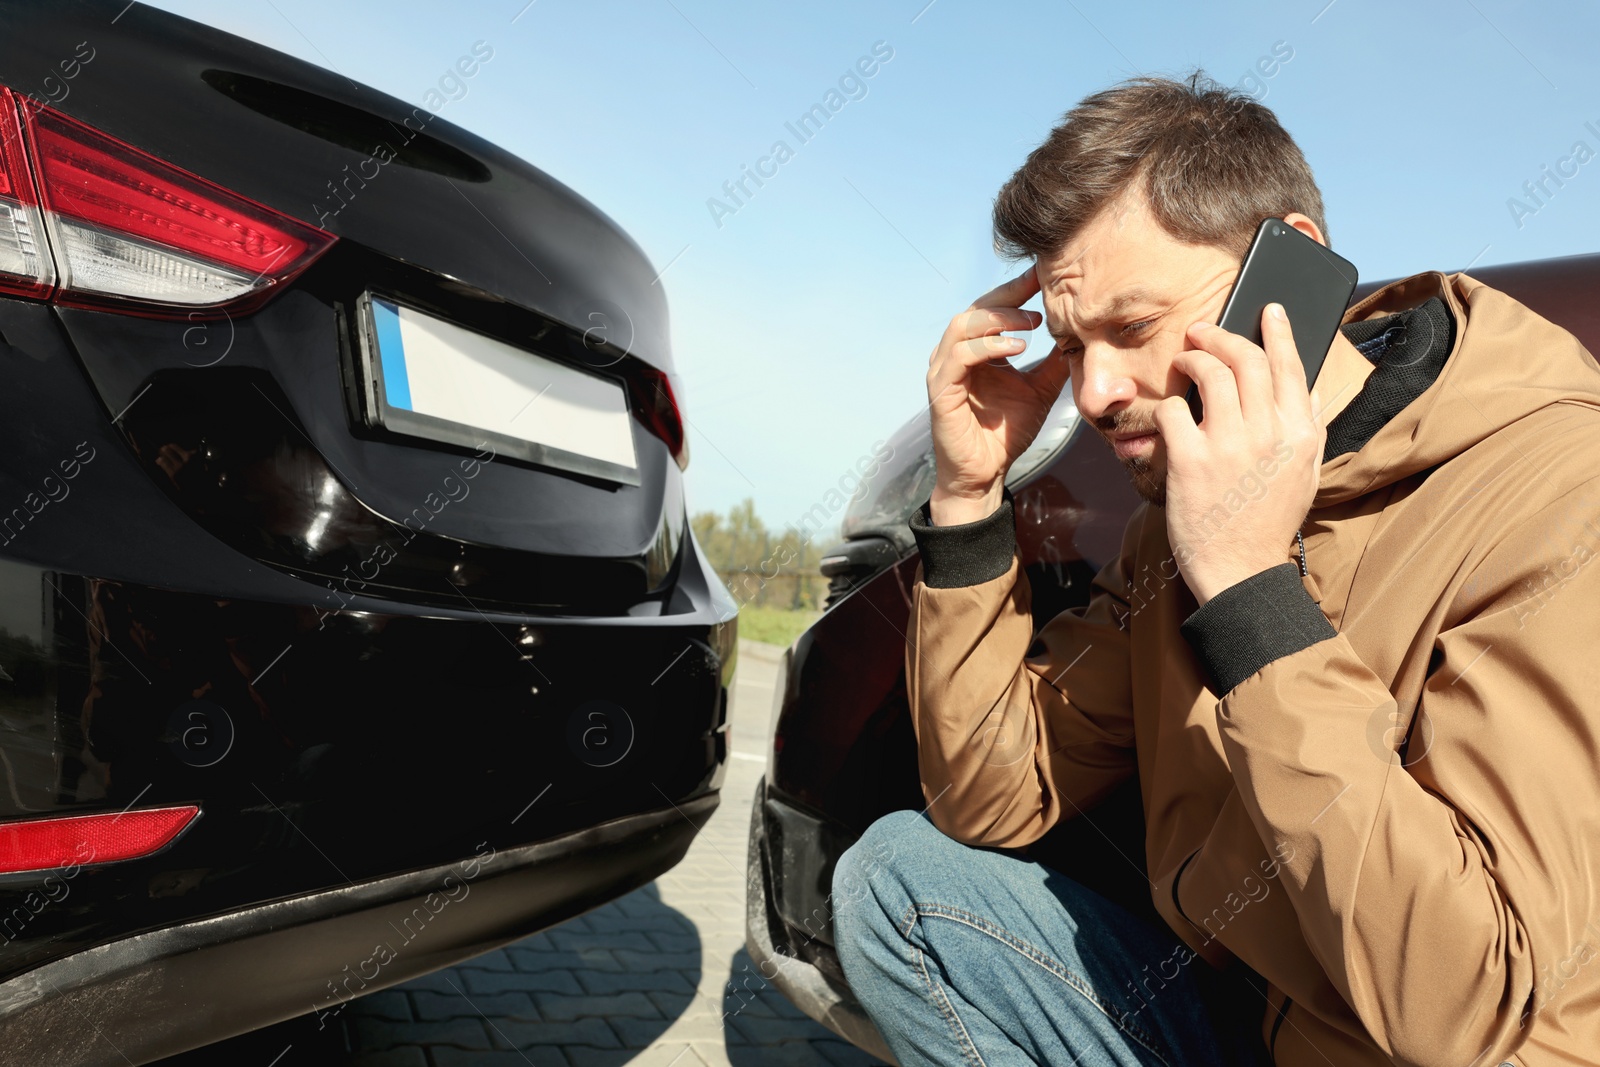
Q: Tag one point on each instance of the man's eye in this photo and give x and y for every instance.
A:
(1135, 327)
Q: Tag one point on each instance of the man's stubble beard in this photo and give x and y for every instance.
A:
(1150, 484)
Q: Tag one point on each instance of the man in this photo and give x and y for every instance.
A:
(1347, 650)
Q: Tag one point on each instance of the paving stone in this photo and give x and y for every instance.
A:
(490, 961)
(660, 921)
(645, 900)
(388, 1004)
(438, 982)
(656, 961)
(539, 1057)
(590, 959)
(600, 1033)
(716, 1054)
(670, 1054)
(667, 943)
(748, 1006)
(535, 941)
(375, 1035)
(576, 941)
(635, 982)
(701, 1026)
(427, 1004)
(558, 1008)
(780, 1005)
(747, 982)
(681, 1055)
(671, 1005)
(524, 981)
(406, 1056)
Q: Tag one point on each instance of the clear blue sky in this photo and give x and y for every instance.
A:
(803, 323)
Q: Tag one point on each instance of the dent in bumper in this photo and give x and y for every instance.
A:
(805, 984)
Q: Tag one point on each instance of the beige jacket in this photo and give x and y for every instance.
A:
(1396, 823)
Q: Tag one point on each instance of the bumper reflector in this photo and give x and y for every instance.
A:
(42, 844)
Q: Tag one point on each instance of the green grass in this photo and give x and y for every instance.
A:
(774, 626)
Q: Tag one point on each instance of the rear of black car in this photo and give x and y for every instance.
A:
(313, 676)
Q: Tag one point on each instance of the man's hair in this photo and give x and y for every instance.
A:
(1212, 163)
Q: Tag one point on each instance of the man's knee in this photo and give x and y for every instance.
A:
(865, 886)
(874, 884)
(869, 871)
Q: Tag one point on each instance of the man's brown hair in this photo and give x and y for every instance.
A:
(1212, 162)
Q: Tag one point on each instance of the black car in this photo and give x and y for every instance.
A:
(350, 619)
(843, 752)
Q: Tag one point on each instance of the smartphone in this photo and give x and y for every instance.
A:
(1313, 283)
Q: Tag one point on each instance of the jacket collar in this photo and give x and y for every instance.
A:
(1414, 346)
(1504, 362)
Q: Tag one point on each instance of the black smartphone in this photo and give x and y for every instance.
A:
(1313, 283)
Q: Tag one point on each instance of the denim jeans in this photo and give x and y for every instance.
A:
(980, 956)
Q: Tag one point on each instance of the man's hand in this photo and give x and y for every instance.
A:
(1239, 484)
(984, 414)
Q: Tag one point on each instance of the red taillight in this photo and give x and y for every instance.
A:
(125, 226)
(43, 844)
(25, 264)
(656, 407)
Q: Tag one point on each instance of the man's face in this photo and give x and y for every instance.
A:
(1118, 300)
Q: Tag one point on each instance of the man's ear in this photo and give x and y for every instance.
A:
(1304, 224)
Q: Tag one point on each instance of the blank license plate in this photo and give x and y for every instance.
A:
(447, 383)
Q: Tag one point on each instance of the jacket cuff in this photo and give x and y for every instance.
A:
(968, 553)
(1267, 616)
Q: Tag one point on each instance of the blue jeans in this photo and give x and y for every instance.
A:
(980, 956)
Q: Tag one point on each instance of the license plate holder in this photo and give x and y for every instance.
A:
(427, 377)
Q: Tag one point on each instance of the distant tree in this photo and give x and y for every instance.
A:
(759, 566)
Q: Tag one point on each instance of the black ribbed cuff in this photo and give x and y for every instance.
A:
(968, 553)
(1251, 623)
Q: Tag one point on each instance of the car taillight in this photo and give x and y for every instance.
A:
(126, 228)
(655, 406)
(42, 844)
(25, 265)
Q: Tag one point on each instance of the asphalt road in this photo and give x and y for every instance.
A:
(646, 980)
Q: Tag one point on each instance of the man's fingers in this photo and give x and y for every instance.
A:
(1252, 374)
(1013, 293)
(976, 322)
(1219, 390)
(976, 350)
(958, 359)
(985, 322)
(1288, 373)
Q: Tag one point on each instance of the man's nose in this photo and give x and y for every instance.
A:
(1107, 383)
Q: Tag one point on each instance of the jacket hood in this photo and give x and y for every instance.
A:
(1506, 363)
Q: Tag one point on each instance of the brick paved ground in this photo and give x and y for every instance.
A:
(659, 977)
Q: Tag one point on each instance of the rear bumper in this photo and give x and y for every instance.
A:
(322, 752)
(812, 989)
(168, 990)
